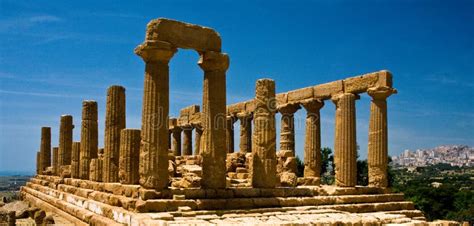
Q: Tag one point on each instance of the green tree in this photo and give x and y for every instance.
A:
(299, 167)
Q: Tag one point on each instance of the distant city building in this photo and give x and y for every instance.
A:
(455, 155)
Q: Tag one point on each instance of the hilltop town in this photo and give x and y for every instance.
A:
(455, 155)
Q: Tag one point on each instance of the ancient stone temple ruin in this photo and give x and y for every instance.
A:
(160, 175)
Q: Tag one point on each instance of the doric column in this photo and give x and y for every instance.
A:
(263, 165)
(287, 132)
(213, 119)
(230, 133)
(65, 141)
(345, 147)
(378, 143)
(75, 169)
(197, 139)
(176, 140)
(154, 133)
(45, 148)
(245, 119)
(187, 140)
(114, 123)
(89, 136)
(312, 141)
(129, 156)
(96, 168)
(38, 163)
(55, 163)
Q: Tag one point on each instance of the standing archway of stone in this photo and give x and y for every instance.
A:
(163, 38)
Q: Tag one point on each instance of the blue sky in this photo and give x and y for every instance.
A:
(54, 54)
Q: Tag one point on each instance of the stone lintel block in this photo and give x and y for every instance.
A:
(235, 108)
(184, 35)
(300, 94)
(189, 110)
(249, 106)
(172, 123)
(183, 121)
(326, 90)
(195, 118)
(281, 98)
(360, 84)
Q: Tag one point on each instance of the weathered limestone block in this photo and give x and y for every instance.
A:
(187, 140)
(96, 167)
(65, 171)
(245, 119)
(154, 133)
(360, 84)
(45, 148)
(89, 137)
(288, 179)
(312, 145)
(114, 123)
(234, 161)
(230, 133)
(7, 218)
(300, 94)
(76, 149)
(378, 136)
(189, 180)
(345, 147)
(129, 156)
(325, 91)
(236, 108)
(213, 140)
(55, 161)
(184, 35)
(287, 133)
(65, 140)
(263, 165)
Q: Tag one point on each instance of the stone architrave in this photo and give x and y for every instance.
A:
(230, 133)
(65, 141)
(89, 137)
(312, 143)
(213, 118)
(263, 165)
(377, 160)
(129, 156)
(187, 140)
(154, 143)
(55, 161)
(75, 159)
(45, 148)
(345, 147)
(114, 123)
(245, 119)
(287, 132)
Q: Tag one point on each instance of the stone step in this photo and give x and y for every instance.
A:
(88, 213)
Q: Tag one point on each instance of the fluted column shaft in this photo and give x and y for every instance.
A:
(155, 133)
(197, 139)
(65, 140)
(45, 148)
(187, 140)
(230, 134)
(38, 163)
(114, 123)
(245, 131)
(129, 156)
(176, 141)
(312, 142)
(345, 147)
(377, 160)
(263, 165)
(89, 137)
(287, 132)
(55, 161)
(213, 118)
(75, 159)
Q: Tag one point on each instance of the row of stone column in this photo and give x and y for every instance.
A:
(183, 145)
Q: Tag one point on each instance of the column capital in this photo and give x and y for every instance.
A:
(312, 105)
(213, 61)
(337, 97)
(381, 92)
(244, 115)
(231, 118)
(288, 109)
(155, 51)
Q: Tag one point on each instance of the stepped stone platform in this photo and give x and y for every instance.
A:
(86, 202)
